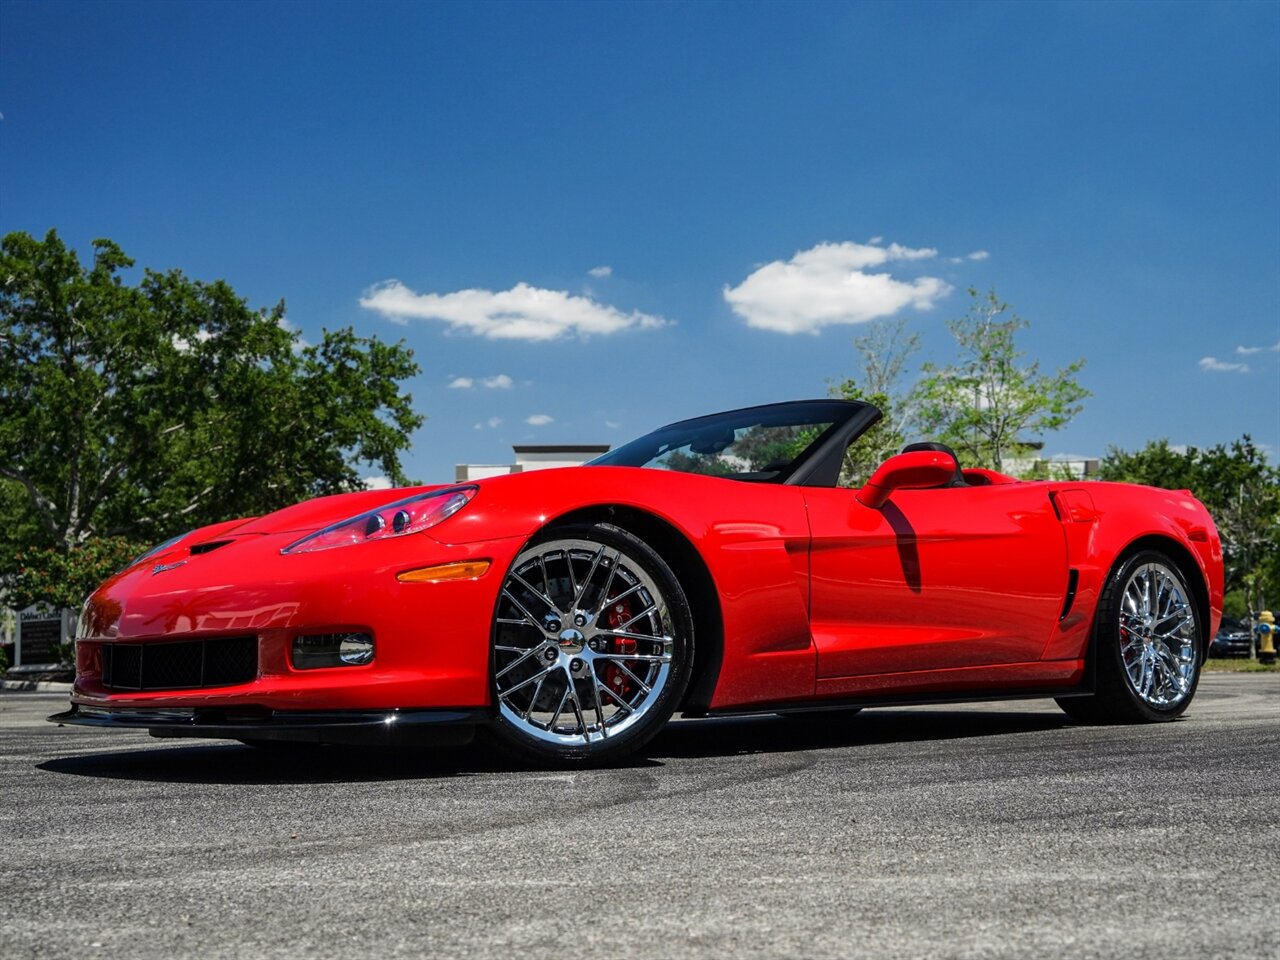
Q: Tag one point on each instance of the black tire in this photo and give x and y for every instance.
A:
(1123, 640)
(550, 639)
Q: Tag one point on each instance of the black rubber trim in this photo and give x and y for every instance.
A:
(367, 727)
(906, 700)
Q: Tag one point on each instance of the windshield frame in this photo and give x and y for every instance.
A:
(818, 465)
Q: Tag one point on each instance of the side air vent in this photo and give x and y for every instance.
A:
(208, 547)
(1073, 580)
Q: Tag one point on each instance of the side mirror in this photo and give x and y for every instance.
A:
(907, 471)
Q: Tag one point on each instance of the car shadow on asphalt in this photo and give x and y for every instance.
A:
(726, 736)
(225, 762)
(228, 762)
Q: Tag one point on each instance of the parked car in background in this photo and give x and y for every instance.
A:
(1232, 639)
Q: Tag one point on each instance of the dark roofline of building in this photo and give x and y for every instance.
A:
(560, 447)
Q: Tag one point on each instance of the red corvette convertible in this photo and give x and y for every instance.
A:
(713, 566)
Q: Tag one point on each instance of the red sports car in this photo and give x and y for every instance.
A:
(714, 566)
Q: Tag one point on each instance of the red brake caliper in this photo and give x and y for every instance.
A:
(614, 678)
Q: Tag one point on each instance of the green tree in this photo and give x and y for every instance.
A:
(766, 448)
(884, 350)
(761, 448)
(48, 575)
(1240, 489)
(136, 411)
(991, 404)
(707, 464)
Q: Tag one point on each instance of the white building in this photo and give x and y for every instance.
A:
(1054, 468)
(533, 456)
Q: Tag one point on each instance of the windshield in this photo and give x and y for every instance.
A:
(757, 443)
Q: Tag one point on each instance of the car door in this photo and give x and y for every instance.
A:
(934, 579)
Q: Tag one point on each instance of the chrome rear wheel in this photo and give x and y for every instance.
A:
(1148, 645)
(1158, 637)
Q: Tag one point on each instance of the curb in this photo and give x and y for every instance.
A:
(40, 686)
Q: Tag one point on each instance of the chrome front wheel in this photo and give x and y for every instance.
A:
(592, 645)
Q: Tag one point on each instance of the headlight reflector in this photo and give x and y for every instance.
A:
(397, 519)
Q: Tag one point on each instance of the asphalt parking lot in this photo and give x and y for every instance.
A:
(974, 831)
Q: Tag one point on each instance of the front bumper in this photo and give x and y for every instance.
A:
(353, 727)
(431, 639)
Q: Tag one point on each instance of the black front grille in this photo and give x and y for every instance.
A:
(181, 665)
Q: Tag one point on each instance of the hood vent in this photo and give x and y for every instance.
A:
(209, 547)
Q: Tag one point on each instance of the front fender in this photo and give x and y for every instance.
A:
(753, 539)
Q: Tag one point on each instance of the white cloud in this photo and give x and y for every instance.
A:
(377, 483)
(612, 424)
(604, 270)
(497, 382)
(539, 420)
(494, 422)
(826, 285)
(1221, 366)
(521, 313)
(182, 345)
(976, 255)
(300, 342)
(1249, 351)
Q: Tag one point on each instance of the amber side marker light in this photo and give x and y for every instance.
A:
(465, 570)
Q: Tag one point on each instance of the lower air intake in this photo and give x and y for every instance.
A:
(181, 665)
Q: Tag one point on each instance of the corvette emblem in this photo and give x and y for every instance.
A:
(162, 567)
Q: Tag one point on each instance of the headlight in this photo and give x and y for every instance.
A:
(393, 520)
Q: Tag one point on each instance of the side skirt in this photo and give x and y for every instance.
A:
(903, 700)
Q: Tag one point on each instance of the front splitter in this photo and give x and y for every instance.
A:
(353, 727)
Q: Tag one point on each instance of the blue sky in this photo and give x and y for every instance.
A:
(1115, 168)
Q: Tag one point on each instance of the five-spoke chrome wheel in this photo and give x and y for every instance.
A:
(1158, 635)
(588, 642)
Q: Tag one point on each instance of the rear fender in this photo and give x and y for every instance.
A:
(1106, 522)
